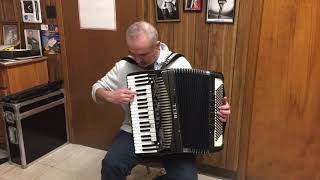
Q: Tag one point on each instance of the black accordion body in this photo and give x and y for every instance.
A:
(175, 111)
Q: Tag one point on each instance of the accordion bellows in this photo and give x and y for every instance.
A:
(174, 111)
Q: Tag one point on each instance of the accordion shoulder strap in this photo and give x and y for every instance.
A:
(170, 59)
(129, 60)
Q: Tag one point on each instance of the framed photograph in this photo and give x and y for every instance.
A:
(220, 11)
(32, 39)
(167, 10)
(10, 33)
(193, 5)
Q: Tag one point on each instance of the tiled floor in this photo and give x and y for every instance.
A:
(71, 162)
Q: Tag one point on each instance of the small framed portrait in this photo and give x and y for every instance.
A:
(193, 5)
(32, 39)
(10, 33)
(220, 11)
(167, 10)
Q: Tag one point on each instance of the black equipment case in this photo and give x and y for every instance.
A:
(35, 122)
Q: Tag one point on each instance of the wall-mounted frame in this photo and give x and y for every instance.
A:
(32, 39)
(192, 5)
(10, 33)
(220, 11)
(167, 10)
(31, 11)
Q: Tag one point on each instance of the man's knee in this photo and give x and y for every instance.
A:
(110, 165)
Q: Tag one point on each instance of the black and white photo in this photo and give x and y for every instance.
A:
(32, 39)
(11, 33)
(167, 10)
(220, 11)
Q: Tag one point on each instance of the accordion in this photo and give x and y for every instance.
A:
(175, 111)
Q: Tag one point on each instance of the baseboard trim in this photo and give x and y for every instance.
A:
(216, 171)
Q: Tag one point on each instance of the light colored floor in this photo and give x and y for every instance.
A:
(72, 162)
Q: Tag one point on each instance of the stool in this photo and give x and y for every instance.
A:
(155, 163)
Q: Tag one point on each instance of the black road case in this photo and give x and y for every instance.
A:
(35, 123)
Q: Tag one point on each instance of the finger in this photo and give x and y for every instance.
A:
(224, 112)
(225, 99)
(128, 91)
(124, 96)
(224, 107)
(221, 115)
(125, 100)
(222, 119)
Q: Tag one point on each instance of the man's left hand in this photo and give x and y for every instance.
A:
(224, 110)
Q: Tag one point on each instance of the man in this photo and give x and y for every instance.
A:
(147, 53)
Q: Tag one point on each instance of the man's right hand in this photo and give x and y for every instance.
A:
(119, 96)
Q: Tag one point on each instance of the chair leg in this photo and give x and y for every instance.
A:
(148, 169)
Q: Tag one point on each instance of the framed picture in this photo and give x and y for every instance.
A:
(31, 11)
(32, 39)
(10, 33)
(167, 10)
(220, 11)
(193, 5)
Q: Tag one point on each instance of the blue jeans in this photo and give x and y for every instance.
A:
(120, 159)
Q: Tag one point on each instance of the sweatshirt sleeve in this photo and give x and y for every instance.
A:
(110, 81)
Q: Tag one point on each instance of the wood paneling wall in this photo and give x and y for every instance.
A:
(10, 10)
(285, 128)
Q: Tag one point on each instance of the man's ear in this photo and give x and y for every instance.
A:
(158, 44)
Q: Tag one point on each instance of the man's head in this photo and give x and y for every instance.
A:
(143, 44)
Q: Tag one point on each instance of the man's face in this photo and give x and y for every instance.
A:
(142, 51)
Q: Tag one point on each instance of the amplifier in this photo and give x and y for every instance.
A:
(35, 123)
(20, 53)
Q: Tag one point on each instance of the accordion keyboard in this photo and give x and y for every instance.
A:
(142, 115)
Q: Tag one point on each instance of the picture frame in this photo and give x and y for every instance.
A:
(193, 5)
(167, 10)
(10, 33)
(32, 39)
(220, 11)
(31, 11)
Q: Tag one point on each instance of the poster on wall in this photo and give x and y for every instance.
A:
(50, 38)
(97, 14)
(31, 11)
(220, 11)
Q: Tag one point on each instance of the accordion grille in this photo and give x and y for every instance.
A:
(194, 114)
(164, 107)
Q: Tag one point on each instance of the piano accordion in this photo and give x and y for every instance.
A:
(175, 111)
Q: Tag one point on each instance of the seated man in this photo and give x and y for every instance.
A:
(147, 53)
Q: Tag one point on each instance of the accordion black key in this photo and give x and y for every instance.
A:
(175, 111)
